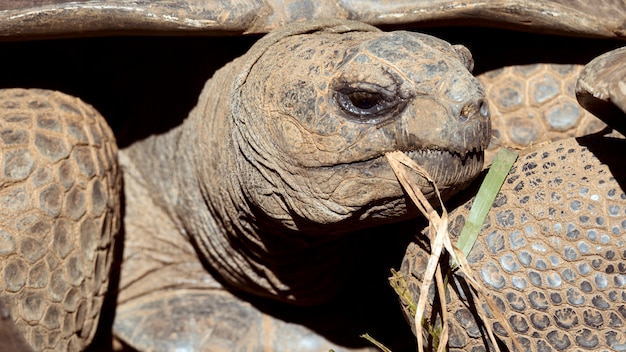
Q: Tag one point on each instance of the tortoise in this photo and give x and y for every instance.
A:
(172, 286)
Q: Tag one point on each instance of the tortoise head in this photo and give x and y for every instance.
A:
(316, 113)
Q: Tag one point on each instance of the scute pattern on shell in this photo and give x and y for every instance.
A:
(548, 253)
(59, 210)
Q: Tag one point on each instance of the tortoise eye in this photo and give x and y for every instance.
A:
(367, 104)
(365, 100)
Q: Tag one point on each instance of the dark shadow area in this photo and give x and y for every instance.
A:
(604, 110)
(610, 151)
(141, 85)
(367, 302)
(493, 49)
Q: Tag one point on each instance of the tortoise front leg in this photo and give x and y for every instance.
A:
(59, 211)
(550, 253)
(168, 300)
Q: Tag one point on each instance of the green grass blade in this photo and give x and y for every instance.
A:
(485, 197)
(375, 343)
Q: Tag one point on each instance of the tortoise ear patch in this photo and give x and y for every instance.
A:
(465, 56)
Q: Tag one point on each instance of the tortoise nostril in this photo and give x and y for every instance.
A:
(468, 111)
(471, 109)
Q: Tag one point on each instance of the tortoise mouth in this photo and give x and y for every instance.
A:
(452, 171)
(448, 169)
(386, 202)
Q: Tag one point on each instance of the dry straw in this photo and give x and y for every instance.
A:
(402, 165)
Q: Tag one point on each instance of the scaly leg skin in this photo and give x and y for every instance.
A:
(534, 104)
(551, 253)
(168, 301)
(59, 211)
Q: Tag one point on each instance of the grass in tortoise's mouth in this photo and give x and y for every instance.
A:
(448, 167)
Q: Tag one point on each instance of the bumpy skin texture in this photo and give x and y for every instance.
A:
(281, 158)
(59, 185)
(551, 253)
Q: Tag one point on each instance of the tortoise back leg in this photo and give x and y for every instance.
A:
(59, 187)
(533, 105)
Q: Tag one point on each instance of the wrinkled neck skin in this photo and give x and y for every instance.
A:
(200, 169)
(269, 176)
